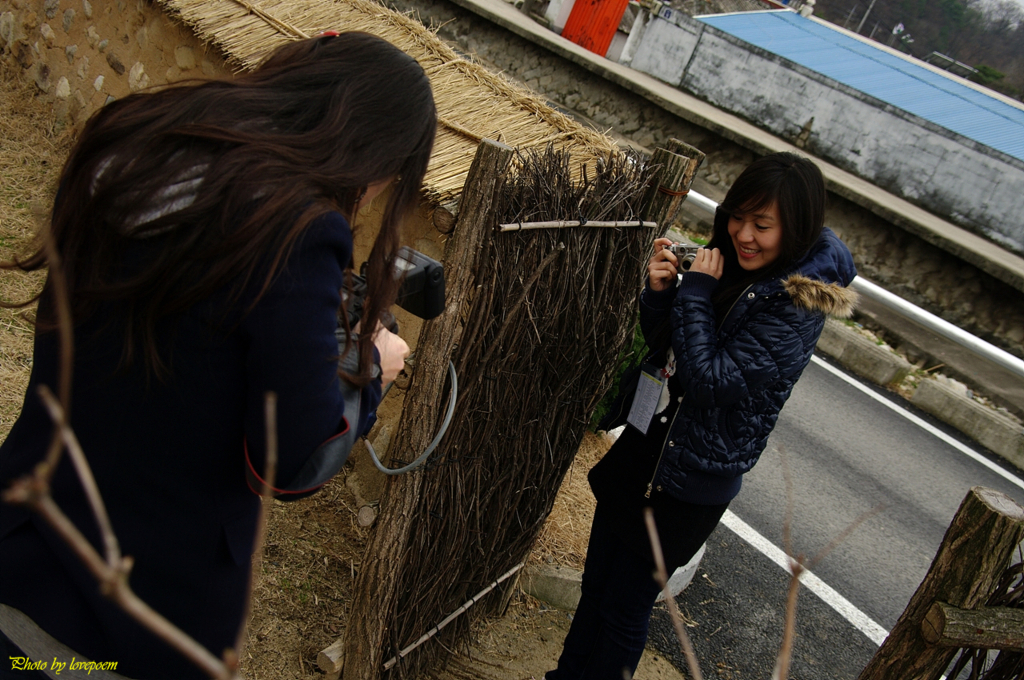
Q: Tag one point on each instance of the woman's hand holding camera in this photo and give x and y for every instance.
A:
(708, 262)
(663, 266)
(393, 351)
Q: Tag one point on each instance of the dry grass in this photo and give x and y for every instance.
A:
(563, 540)
(31, 154)
(301, 598)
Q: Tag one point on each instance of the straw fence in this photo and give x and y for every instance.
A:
(473, 103)
(538, 351)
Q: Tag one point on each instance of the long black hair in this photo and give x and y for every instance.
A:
(229, 173)
(796, 187)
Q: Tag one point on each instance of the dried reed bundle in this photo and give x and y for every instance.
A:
(472, 102)
(537, 353)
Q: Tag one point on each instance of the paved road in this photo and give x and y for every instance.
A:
(846, 453)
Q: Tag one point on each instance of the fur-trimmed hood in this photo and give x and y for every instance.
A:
(819, 296)
(820, 281)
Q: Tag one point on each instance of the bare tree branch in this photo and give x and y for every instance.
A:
(65, 325)
(85, 476)
(797, 569)
(662, 575)
(782, 661)
(269, 477)
(864, 516)
(33, 492)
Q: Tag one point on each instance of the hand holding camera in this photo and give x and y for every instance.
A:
(707, 261)
(393, 351)
(421, 293)
(669, 258)
(661, 269)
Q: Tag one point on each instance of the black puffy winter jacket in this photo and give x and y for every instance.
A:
(736, 379)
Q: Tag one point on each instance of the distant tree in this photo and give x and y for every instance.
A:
(987, 75)
(988, 32)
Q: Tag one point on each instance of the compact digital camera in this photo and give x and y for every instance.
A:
(685, 253)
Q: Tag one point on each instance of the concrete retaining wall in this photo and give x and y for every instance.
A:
(948, 174)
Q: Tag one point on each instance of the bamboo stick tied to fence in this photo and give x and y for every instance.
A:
(451, 617)
(565, 224)
(974, 554)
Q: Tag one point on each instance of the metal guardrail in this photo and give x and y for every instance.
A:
(910, 311)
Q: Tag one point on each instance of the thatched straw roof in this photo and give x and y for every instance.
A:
(473, 103)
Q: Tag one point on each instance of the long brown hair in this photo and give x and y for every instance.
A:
(257, 158)
(795, 185)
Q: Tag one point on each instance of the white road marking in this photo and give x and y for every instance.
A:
(844, 607)
(962, 448)
(840, 604)
(861, 621)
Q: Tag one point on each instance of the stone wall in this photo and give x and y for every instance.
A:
(84, 52)
(947, 174)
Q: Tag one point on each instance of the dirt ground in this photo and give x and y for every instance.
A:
(313, 547)
(312, 555)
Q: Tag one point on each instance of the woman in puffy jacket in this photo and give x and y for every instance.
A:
(728, 340)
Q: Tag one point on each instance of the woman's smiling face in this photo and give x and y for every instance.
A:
(757, 236)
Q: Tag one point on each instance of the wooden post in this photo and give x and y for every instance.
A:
(671, 182)
(376, 587)
(975, 552)
(681, 148)
(986, 628)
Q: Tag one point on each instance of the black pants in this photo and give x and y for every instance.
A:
(609, 630)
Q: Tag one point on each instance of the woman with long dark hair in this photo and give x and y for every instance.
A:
(728, 341)
(204, 232)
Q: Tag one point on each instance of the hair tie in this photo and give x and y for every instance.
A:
(327, 34)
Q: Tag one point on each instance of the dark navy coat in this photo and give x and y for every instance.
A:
(170, 459)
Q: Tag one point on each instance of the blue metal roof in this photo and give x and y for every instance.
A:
(938, 98)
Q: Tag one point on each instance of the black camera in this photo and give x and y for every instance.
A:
(421, 292)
